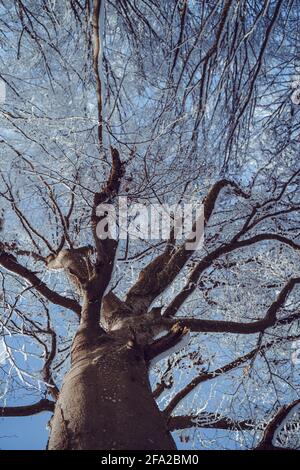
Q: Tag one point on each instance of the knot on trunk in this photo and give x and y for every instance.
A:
(76, 263)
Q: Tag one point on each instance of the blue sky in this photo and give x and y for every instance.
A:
(24, 433)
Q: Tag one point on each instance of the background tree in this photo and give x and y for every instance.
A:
(164, 102)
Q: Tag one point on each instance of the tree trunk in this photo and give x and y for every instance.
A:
(106, 402)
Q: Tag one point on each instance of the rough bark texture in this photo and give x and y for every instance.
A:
(106, 402)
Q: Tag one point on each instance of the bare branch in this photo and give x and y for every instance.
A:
(217, 372)
(27, 410)
(266, 442)
(96, 52)
(219, 326)
(208, 260)
(162, 271)
(9, 262)
(209, 420)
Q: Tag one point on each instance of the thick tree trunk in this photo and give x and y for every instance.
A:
(106, 402)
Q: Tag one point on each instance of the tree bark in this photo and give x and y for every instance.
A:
(106, 402)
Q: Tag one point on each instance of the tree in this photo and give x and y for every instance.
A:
(161, 102)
